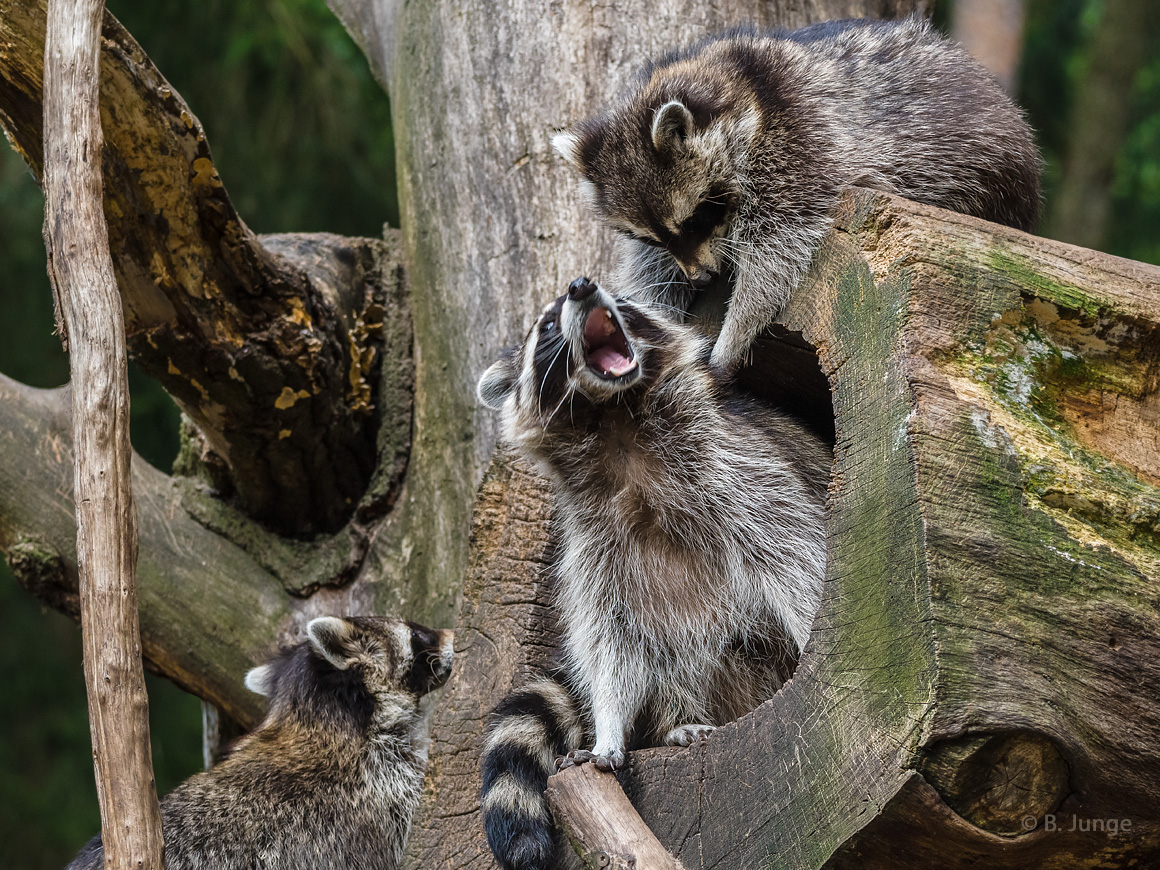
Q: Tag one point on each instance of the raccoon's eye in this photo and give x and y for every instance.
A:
(705, 218)
(548, 327)
(651, 242)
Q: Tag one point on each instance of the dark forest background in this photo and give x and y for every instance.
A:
(301, 136)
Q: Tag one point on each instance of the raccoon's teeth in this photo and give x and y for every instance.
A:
(606, 347)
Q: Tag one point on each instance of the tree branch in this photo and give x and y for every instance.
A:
(267, 353)
(602, 825)
(86, 293)
(209, 610)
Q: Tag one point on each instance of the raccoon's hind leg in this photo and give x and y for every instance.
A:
(687, 735)
(529, 729)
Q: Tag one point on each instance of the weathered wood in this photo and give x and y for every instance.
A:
(493, 224)
(209, 609)
(988, 644)
(602, 825)
(269, 345)
(106, 519)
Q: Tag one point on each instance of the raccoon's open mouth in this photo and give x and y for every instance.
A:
(606, 347)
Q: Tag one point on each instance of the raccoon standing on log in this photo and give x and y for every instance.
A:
(727, 157)
(692, 547)
(333, 773)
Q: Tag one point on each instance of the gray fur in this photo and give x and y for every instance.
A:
(691, 521)
(782, 123)
(331, 776)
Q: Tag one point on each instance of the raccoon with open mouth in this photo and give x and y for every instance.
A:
(728, 157)
(692, 547)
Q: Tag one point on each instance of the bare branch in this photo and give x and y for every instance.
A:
(209, 610)
(602, 825)
(86, 293)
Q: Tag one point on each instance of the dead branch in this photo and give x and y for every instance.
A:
(602, 825)
(86, 293)
(275, 362)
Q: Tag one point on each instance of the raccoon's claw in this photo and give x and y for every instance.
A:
(687, 735)
(607, 763)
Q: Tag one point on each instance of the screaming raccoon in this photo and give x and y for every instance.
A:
(727, 157)
(692, 547)
(331, 776)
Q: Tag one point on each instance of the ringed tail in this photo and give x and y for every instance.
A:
(529, 729)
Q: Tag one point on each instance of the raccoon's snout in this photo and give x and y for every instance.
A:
(702, 278)
(581, 288)
(433, 653)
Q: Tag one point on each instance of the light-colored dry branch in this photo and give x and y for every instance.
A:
(602, 825)
(86, 291)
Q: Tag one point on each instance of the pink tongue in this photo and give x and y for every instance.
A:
(609, 360)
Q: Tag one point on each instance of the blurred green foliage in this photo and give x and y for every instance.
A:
(301, 136)
(1055, 57)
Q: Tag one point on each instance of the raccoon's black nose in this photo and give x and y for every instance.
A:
(701, 280)
(581, 288)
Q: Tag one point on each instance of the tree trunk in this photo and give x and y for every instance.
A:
(106, 520)
(983, 670)
(992, 31)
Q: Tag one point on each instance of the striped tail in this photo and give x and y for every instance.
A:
(529, 729)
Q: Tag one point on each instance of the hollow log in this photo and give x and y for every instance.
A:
(981, 683)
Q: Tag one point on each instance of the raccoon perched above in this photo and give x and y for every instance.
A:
(331, 776)
(692, 547)
(728, 157)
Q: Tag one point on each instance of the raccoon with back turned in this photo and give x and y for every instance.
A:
(691, 548)
(728, 157)
(331, 776)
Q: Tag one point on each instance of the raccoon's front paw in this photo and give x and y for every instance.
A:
(687, 735)
(612, 761)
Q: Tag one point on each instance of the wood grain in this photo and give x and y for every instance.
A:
(86, 291)
(602, 825)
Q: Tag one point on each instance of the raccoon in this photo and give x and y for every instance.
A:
(692, 547)
(728, 157)
(332, 774)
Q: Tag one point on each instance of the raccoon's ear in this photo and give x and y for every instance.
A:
(567, 145)
(496, 384)
(672, 125)
(331, 638)
(260, 680)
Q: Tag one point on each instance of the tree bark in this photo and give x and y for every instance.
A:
(986, 650)
(106, 520)
(270, 347)
(602, 825)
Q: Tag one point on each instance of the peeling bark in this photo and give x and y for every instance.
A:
(261, 343)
